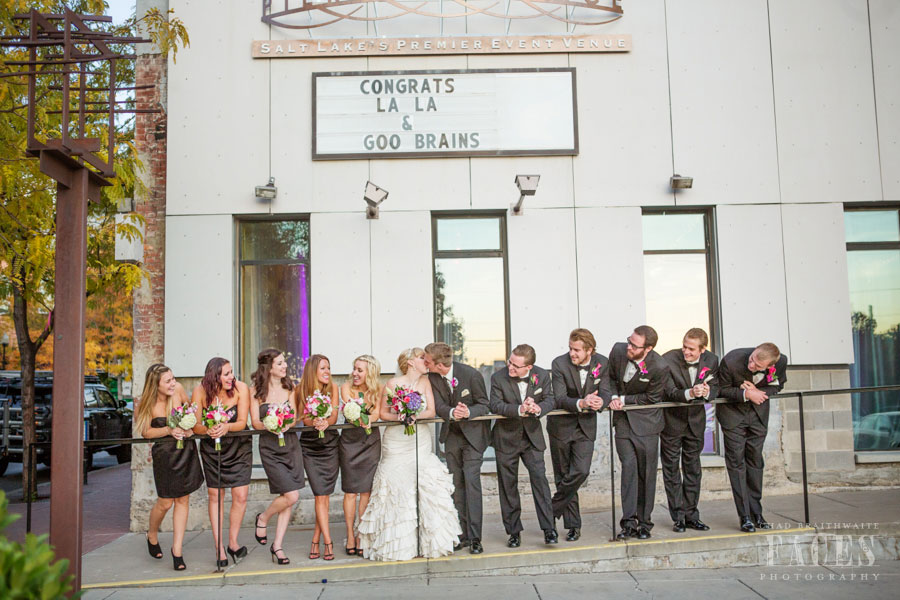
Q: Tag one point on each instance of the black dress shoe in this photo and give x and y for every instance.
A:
(550, 536)
(678, 527)
(625, 534)
(747, 525)
(760, 522)
(573, 535)
(476, 547)
(696, 524)
(643, 533)
(461, 544)
(514, 541)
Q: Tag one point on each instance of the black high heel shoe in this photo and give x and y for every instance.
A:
(260, 539)
(154, 549)
(278, 559)
(178, 562)
(236, 554)
(221, 563)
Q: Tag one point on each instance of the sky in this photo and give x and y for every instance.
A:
(120, 9)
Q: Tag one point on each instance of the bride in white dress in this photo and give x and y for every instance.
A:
(387, 530)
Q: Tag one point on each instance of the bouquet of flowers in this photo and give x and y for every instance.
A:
(407, 402)
(278, 419)
(183, 417)
(318, 405)
(216, 415)
(355, 412)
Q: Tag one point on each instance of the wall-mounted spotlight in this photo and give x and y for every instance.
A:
(527, 185)
(373, 196)
(267, 192)
(680, 182)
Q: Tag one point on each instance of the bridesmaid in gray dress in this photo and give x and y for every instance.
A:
(320, 454)
(359, 451)
(283, 464)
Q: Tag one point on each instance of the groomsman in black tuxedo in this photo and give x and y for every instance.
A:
(693, 381)
(637, 375)
(576, 383)
(749, 376)
(522, 393)
(459, 395)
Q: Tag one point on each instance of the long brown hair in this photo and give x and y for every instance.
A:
(143, 414)
(309, 383)
(260, 377)
(210, 380)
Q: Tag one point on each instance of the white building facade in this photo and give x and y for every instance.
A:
(785, 114)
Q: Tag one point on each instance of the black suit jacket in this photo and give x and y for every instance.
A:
(470, 391)
(568, 391)
(643, 388)
(693, 416)
(505, 400)
(733, 372)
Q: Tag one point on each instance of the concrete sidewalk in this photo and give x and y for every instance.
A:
(873, 513)
(750, 583)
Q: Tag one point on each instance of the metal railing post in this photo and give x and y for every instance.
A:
(803, 459)
(612, 476)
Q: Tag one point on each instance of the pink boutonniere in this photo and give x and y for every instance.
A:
(596, 372)
(702, 373)
(453, 383)
(643, 367)
(771, 377)
(534, 380)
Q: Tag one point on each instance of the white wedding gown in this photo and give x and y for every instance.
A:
(387, 530)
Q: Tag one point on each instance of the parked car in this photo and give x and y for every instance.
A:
(878, 431)
(105, 418)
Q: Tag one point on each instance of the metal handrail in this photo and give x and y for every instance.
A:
(492, 417)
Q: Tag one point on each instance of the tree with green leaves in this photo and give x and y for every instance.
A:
(28, 197)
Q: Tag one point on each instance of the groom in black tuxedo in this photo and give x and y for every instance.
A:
(749, 377)
(576, 383)
(459, 395)
(636, 376)
(522, 393)
(692, 380)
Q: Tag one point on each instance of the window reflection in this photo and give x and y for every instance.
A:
(676, 285)
(274, 292)
(468, 234)
(677, 298)
(685, 231)
(874, 279)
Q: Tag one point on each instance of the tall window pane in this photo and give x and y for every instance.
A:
(677, 284)
(274, 273)
(873, 265)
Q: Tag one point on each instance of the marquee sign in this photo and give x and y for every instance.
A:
(405, 114)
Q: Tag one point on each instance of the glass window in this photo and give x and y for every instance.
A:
(90, 401)
(470, 289)
(274, 292)
(104, 398)
(677, 284)
(873, 266)
(470, 292)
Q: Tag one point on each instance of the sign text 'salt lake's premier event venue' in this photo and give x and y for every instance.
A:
(358, 177)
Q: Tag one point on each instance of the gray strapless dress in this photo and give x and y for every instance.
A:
(283, 464)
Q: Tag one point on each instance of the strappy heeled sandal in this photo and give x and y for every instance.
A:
(314, 551)
(260, 539)
(329, 551)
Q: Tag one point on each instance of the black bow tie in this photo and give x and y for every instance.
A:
(692, 364)
(521, 379)
(583, 367)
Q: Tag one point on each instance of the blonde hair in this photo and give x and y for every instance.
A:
(768, 352)
(372, 383)
(405, 356)
(143, 414)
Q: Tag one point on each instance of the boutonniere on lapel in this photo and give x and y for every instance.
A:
(534, 379)
(595, 373)
(771, 377)
(702, 373)
(453, 383)
(643, 367)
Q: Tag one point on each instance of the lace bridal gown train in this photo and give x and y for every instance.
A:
(387, 530)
